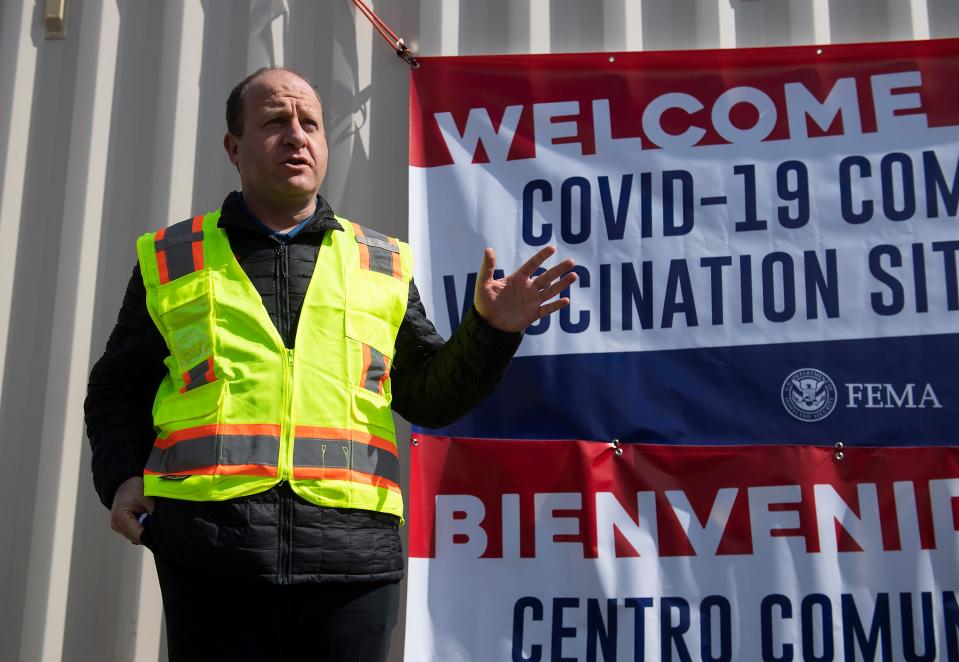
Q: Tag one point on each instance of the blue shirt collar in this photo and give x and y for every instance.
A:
(281, 237)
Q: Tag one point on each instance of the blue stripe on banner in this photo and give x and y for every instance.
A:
(890, 391)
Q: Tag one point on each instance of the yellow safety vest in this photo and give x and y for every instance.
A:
(238, 412)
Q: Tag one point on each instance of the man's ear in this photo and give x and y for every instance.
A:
(231, 144)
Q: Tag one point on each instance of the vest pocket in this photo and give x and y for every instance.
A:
(372, 411)
(377, 304)
(185, 308)
(200, 404)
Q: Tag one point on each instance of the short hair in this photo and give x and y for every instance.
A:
(234, 102)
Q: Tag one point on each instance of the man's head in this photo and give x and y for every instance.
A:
(275, 138)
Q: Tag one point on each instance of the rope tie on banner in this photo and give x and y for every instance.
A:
(394, 40)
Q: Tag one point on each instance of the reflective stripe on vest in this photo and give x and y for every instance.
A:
(378, 252)
(179, 249)
(253, 450)
(237, 411)
(322, 453)
(198, 375)
(217, 449)
(376, 368)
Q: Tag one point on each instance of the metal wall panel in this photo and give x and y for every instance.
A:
(117, 129)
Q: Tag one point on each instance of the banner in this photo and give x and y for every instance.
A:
(739, 441)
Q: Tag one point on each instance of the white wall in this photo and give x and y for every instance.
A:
(117, 129)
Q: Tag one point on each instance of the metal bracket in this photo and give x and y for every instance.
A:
(55, 19)
(404, 53)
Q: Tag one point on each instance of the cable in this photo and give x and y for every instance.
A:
(394, 40)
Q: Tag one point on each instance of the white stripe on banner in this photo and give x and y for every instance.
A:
(699, 277)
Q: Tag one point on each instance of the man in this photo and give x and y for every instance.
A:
(240, 415)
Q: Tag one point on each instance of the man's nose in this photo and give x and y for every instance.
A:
(295, 135)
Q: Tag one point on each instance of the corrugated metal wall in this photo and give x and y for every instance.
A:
(117, 129)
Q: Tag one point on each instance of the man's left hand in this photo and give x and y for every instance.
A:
(516, 301)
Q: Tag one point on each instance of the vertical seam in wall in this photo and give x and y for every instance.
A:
(539, 22)
(633, 19)
(364, 78)
(822, 33)
(450, 27)
(726, 18)
(186, 98)
(919, 11)
(15, 169)
(61, 436)
(278, 31)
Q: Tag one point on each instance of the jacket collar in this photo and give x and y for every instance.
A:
(234, 214)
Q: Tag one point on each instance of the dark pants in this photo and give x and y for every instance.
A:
(209, 618)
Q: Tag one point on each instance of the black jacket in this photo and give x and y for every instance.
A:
(276, 536)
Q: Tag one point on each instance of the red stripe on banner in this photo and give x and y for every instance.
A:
(888, 486)
(632, 81)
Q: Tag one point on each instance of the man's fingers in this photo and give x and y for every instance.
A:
(553, 306)
(131, 528)
(554, 272)
(533, 263)
(557, 287)
(129, 503)
(487, 267)
(125, 523)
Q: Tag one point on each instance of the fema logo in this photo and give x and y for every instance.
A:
(809, 395)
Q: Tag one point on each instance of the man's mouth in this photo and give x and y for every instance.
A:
(297, 161)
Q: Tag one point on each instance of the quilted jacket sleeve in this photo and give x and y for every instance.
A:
(123, 383)
(437, 382)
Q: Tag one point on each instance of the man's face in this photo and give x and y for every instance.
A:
(282, 152)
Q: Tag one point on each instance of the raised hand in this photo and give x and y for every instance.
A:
(516, 301)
